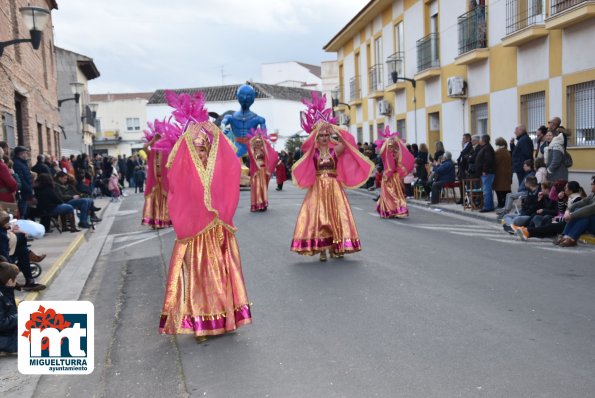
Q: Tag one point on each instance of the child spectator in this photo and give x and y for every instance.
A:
(139, 178)
(113, 185)
(8, 309)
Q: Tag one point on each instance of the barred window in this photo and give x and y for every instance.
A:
(479, 119)
(580, 106)
(533, 112)
(360, 135)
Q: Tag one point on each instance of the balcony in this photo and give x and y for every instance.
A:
(355, 91)
(428, 57)
(375, 81)
(394, 67)
(473, 38)
(565, 13)
(524, 22)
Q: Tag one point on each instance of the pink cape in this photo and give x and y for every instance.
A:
(353, 168)
(271, 158)
(406, 160)
(151, 177)
(196, 196)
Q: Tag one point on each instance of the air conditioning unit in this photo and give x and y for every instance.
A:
(457, 87)
(344, 119)
(384, 108)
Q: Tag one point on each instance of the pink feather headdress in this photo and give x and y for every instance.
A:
(258, 132)
(316, 112)
(383, 136)
(187, 108)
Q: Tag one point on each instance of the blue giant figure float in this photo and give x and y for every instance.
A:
(243, 120)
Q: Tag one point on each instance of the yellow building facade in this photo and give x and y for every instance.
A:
(435, 69)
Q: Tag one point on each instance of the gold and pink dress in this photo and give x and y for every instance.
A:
(398, 162)
(205, 293)
(263, 160)
(155, 212)
(325, 221)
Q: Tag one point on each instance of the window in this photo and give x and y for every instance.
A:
(40, 137)
(479, 119)
(8, 129)
(360, 135)
(48, 136)
(371, 134)
(132, 124)
(402, 127)
(533, 112)
(98, 125)
(580, 105)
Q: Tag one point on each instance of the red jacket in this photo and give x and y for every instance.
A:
(8, 185)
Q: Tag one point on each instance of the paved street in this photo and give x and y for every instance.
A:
(434, 306)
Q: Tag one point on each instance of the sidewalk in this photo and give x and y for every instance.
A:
(58, 248)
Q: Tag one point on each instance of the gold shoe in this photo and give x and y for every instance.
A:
(200, 339)
(323, 256)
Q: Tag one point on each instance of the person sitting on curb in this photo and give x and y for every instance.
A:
(443, 173)
(521, 191)
(13, 246)
(580, 218)
(570, 195)
(8, 309)
(528, 209)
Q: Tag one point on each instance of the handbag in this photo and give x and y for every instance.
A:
(567, 160)
(10, 208)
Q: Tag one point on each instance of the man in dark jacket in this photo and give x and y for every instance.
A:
(41, 167)
(522, 151)
(463, 161)
(485, 168)
(21, 168)
(443, 174)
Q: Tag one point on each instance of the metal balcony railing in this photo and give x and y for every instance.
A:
(375, 81)
(394, 66)
(563, 5)
(428, 51)
(355, 90)
(523, 13)
(473, 29)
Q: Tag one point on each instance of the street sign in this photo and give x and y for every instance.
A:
(273, 137)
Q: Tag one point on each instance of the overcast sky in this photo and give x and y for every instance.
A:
(144, 45)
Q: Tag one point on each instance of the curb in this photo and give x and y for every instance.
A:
(423, 205)
(56, 267)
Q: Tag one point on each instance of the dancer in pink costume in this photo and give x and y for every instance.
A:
(263, 160)
(330, 163)
(398, 162)
(205, 293)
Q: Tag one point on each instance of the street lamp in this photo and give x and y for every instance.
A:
(77, 89)
(394, 64)
(335, 98)
(35, 19)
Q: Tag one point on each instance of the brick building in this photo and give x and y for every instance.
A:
(28, 83)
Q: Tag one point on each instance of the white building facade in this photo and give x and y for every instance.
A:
(521, 61)
(120, 121)
(292, 74)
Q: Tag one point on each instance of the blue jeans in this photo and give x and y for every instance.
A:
(82, 205)
(487, 182)
(62, 209)
(576, 228)
(520, 176)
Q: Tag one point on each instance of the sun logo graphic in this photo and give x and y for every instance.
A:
(56, 337)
